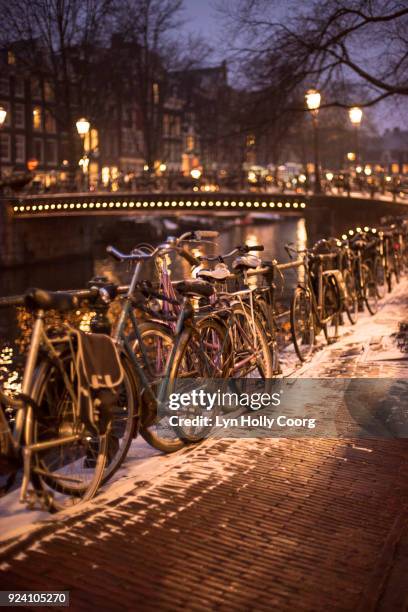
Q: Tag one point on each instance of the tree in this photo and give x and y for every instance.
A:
(149, 46)
(57, 41)
(352, 42)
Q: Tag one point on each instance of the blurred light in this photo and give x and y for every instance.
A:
(195, 173)
(351, 232)
(302, 178)
(83, 126)
(367, 171)
(351, 156)
(359, 169)
(329, 176)
(344, 236)
(313, 99)
(162, 167)
(355, 114)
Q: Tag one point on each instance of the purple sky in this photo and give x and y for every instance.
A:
(200, 14)
(203, 20)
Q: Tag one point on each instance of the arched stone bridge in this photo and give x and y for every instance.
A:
(44, 227)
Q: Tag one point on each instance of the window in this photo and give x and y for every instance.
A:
(19, 115)
(6, 107)
(190, 143)
(50, 124)
(39, 150)
(51, 153)
(37, 118)
(11, 58)
(19, 87)
(5, 153)
(156, 93)
(166, 125)
(5, 86)
(20, 149)
(48, 93)
(35, 88)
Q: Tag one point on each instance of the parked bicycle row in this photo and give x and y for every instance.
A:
(85, 396)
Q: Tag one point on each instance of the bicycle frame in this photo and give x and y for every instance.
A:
(24, 422)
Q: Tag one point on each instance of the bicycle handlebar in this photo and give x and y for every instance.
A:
(246, 248)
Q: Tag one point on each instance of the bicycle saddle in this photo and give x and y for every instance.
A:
(50, 300)
(246, 262)
(220, 273)
(194, 288)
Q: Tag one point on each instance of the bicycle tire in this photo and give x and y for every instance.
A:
(351, 302)
(47, 485)
(331, 308)
(151, 430)
(380, 277)
(192, 340)
(301, 299)
(265, 363)
(128, 386)
(369, 290)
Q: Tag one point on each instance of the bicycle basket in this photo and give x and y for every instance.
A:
(99, 376)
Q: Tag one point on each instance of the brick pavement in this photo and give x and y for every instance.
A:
(243, 524)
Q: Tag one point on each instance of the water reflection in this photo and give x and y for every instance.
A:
(76, 274)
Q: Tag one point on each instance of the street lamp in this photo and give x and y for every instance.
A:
(83, 126)
(356, 115)
(3, 115)
(195, 173)
(313, 99)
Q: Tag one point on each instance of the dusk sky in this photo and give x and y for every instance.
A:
(202, 19)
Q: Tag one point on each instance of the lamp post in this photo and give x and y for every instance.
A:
(356, 115)
(313, 99)
(3, 115)
(83, 127)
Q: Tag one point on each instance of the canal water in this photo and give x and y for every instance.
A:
(76, 274)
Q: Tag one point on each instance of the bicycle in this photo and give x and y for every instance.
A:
(158, 353)
(62, 450)
(316, 303)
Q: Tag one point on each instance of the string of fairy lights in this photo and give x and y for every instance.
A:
(67, 207)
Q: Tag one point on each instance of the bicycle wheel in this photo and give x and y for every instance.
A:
(158, 342)
(267, 318)
(71, 471)
(123, 422)
(331, 308)
(380, 277)
(351, 298)
(252, 357)
(369, 289)
(301, 323)
(199, 356)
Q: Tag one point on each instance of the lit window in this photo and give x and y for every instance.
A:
(37, 118)
(156, 93)
(11, 58)
(190, 143)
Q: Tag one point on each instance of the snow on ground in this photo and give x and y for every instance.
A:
(144, 465)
